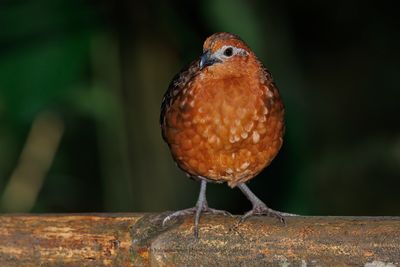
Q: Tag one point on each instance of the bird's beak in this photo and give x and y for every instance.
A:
(207, 59)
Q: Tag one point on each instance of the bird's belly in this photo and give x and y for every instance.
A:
(228, 140)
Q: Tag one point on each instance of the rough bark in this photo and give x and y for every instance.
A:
(139, 239)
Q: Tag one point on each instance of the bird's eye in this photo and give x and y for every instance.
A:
(228, 52)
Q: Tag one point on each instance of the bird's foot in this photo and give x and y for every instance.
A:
(260, 209)
(218, 212)
(207, 209)
(179, 213)
(193, 210)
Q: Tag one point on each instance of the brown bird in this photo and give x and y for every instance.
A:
(223, 121)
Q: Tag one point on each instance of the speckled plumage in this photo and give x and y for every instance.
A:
(223, 122)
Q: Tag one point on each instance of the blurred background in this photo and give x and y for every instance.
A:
(81, 84)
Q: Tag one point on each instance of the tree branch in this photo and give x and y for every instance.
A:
(139, 239)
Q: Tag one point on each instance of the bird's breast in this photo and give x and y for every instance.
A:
(225, 129)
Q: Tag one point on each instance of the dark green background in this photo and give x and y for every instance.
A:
(94, 72)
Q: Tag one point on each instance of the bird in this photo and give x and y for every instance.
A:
(223, 120)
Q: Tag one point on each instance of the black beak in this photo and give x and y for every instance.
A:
(207, 59)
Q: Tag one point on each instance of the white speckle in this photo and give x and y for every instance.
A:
(244, 135)
(196, 119)
(233, 155)
(237, 138)
(229, 171)
(237, 122)
(256, 137)
(245, 165)
(379, 264)
(206, 132)
(191, 103)
(218, 141)
(182, 104)
(201, 110)
(212, 139)
(270, 94)
(265, 111)
(232, 139)
(249, 126)
(211, 171)
(232, 130)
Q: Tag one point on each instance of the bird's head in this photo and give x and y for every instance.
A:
(224, 49)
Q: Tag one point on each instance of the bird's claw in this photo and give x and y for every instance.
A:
(178, 213)
(218, 212)
(263, 210)
(193, 210)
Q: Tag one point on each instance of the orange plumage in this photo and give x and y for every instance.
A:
(222, 117)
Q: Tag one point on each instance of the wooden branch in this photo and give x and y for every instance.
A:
(139, 239)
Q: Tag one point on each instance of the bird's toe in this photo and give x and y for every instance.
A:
(263, 210)
(218, 212)
(179, 213)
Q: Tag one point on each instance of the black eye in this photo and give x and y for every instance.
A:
(228, 52)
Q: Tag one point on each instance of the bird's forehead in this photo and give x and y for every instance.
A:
(218, 40)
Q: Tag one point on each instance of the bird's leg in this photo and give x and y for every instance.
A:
(259, 208)
(201, 205)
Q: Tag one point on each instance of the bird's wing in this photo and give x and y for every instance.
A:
(266, 76)
(177, 84)
(268, 81)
